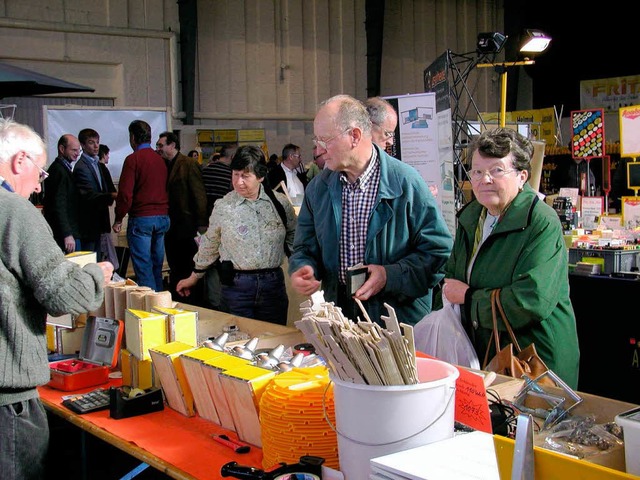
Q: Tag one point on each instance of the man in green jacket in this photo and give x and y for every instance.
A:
(367, 207)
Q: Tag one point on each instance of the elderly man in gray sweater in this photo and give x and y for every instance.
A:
(35, 279)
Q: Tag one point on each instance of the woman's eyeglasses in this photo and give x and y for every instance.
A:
(495, 172)
(42, 176)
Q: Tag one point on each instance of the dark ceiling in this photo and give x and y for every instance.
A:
(588, 43)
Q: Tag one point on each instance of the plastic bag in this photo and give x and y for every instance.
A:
(441, 334)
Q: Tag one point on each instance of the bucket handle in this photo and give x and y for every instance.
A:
(366, 444)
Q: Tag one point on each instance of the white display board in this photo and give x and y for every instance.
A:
(112, 123)
(424, 140)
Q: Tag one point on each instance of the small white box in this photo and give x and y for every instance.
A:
(630, 423)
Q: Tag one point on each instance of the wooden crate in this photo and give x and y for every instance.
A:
(144, 330)
(136, 373)
(211, 323)
(182, 325)
(243, 387)
(211, 370)
(202, 395)
(169, 370)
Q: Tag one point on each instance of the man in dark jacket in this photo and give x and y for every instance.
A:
(291, 171)
(187, 212)
(94, 196)
(61, 203)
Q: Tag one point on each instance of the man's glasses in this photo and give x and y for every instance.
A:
(495, 172)
(325, 143)
(388, 135)
(43, 173)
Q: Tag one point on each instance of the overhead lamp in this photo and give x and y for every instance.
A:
(535, 41)
(490, 42)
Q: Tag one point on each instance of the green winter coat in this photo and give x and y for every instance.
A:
(526, 257)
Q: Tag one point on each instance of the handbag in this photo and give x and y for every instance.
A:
(441, 335)
(511, 360)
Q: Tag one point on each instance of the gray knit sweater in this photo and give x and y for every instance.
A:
(35, 279)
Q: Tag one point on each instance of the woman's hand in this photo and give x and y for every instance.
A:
(184, 286)
(454, 290)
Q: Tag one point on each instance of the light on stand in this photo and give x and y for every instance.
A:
(535, 41)
(490, 42)
(540, 43)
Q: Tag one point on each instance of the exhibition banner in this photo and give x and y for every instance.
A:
(420, 143)
(610, 93)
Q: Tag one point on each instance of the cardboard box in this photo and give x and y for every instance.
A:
(144, 330)
(211, 370)
(82, 258)
(98, 354)
(168, 367)
(211, 323)
(182, 325)
(243, 387)
(202, 395)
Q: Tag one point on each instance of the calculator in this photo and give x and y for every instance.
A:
(92, 401)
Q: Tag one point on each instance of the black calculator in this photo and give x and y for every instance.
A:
(92, 401)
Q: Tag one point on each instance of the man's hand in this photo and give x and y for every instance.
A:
(117, 226)
(304, 282)
(69, 244)
(374, 284)
(107, 271)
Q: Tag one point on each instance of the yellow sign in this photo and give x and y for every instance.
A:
(257, 135)
(225, 136)
(543, 122)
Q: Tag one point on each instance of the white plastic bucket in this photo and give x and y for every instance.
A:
(372, 421)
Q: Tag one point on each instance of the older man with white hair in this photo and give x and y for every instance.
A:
(35, 279)
(367, 207)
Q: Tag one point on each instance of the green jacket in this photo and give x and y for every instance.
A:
(526, 257)
(407, 235)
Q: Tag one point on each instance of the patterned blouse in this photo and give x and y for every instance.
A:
(247, 232)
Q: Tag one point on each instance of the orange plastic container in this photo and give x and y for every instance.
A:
(98, 355)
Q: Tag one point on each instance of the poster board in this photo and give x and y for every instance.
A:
(112, 123)
(631, 212)
(587, 134)
(630, 131)
(423, 140)
(591, 209)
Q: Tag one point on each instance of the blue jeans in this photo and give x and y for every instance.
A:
(261, 296)
(145, 236)
(24, 439)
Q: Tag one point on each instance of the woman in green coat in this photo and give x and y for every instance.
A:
(508, 238)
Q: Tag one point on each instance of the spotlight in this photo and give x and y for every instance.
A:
(490, 42)
(535, 41)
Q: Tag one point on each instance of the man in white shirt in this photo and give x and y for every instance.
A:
(291, 170)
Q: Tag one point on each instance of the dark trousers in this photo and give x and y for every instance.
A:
(180, 250)
(24, 439)
(261, 296)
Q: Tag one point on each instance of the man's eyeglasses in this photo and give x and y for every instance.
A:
(43, 173)
(495, 172)
(325, 143)
(388, 135)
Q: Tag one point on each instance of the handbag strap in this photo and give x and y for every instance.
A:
(495, 334)
(496, 305)
(506, 322)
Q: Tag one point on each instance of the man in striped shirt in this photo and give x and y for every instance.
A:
(217, 176)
